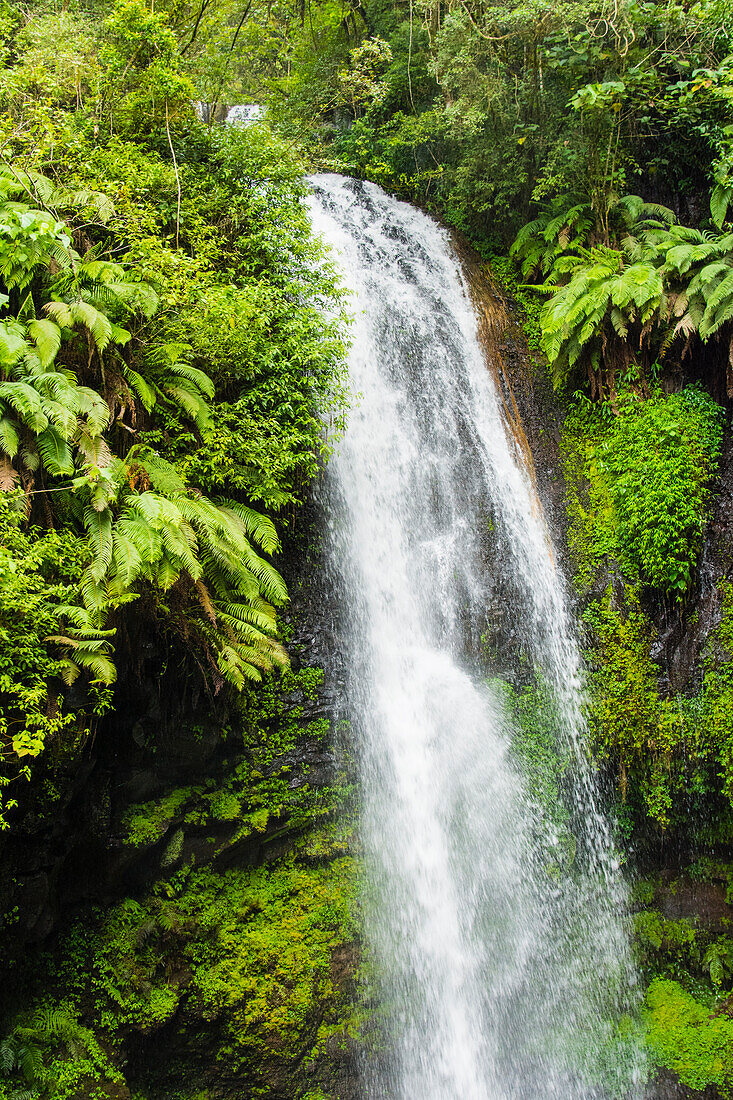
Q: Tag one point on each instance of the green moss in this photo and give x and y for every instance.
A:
(250, 951)
(591, 532)
(272, 723)
(670, 947)
(145, 823)
(717, 689)
(643, 891)
(276, 930)
(673, 754)
(225, 806)
(536, 745)
(639, 483)
(333, 838)
(688, 1037)
(661, 754)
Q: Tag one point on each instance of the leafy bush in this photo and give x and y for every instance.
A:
(638, 489)
(659, 457)
(640, 483)
(688, 1038)
(46, 638)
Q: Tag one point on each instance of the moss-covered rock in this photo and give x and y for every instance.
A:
(230, 970)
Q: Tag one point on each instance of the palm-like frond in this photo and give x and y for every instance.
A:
(99, 531)
(254, 525)
(46, 337)
(56, 454)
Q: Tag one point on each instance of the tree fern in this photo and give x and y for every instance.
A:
(589, 320)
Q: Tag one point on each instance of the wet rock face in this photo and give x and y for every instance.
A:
(681, 643)
(683, 898)
(667, 1087)
(530, 406)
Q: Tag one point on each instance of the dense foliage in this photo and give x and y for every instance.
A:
(166, 363)
(243, 954)
(170, 350)
(638, 491)
(640, 482)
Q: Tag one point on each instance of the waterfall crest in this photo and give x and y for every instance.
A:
(494, 923)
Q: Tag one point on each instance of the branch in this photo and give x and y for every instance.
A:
(199, 17)
(175, 169)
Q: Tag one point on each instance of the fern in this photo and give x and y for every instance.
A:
(87, 659)
(163, 476)
(26, 402)
(169, 376)
(56, 454)
(46, 337)
(143, 389)
(99, 529)
(254, 525)
(192, 403)
(9, 436)
(94, 408)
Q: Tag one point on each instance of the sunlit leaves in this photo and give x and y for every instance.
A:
(665, 284)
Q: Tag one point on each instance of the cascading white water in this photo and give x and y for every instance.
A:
(496, 935)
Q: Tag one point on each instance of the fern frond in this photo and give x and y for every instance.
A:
(177, 547)
(197, 377)
(9, 438)
(26, 402)
(190, 401)
(46, 336)
(163, 476)
(137, 383)
(166, 573)
(93, 319)
(253, 524)
(94, 408)
(126, 560)
(99, 532)
(101, 666)
(61, 313)
(55, 453)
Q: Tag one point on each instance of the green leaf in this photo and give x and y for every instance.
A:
(46, 336)
(720, 200)
(9, 439)
(99, 532)
(55, 452)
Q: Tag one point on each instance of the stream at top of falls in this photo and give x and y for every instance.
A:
(494, 910)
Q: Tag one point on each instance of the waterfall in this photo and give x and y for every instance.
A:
(494, 916)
